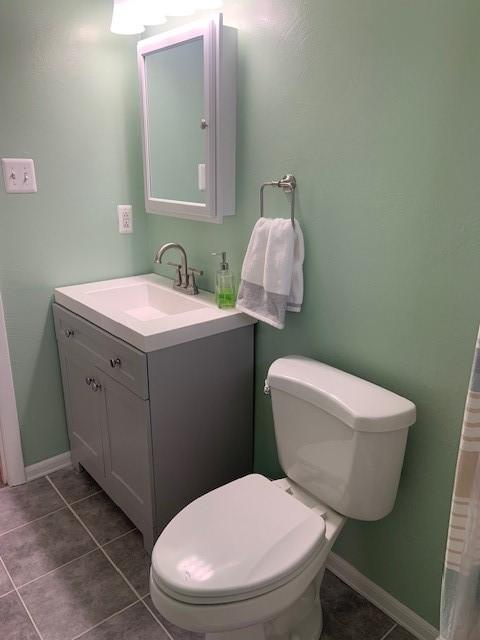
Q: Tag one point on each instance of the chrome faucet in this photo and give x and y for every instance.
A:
(185, 275)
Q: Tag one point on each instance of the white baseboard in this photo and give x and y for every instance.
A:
(405, 617)
(47, 466)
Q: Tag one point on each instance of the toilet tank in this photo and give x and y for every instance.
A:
(339, 437)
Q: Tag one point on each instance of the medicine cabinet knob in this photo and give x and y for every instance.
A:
(69, 333)
(203, 123)
(115, 362)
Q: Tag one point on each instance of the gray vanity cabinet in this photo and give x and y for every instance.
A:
(156, 430)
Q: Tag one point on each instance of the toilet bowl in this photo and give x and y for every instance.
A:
(262, 588)
(247, 559)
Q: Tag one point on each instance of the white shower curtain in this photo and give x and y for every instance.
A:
(460, 606)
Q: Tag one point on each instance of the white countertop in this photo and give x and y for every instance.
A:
(147, 312)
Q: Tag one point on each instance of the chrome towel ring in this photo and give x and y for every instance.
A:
(288, 183)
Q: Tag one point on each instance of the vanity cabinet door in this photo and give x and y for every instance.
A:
(84, 409)
(128, 459)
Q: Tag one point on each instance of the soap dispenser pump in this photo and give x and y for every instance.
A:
(225, 294)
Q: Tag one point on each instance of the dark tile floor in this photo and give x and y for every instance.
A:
(73, 566)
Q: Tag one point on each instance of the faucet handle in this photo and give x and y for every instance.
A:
(178, 276)
(191, 282)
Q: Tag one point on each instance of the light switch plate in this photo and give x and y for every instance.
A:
(125, 218)
(19, 175)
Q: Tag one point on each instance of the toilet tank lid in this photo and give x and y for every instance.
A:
(360, 404)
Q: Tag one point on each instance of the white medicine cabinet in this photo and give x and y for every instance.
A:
(188, 99)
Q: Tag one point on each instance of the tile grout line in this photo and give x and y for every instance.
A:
(86, 497)
(20, 526)
(122, 535)
(65, 564)
(119, 571)
(117, 613)
(7, 594)
(21, 600)
(384, 637)
(153, 614)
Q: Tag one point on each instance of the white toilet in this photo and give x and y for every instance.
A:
(245, 561)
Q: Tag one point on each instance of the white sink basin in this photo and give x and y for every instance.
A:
(146, 312)
(143, 301)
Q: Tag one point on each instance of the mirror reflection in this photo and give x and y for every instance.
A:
(176, 141)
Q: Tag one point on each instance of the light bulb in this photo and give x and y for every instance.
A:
(125, 18)
(209, 4)
(151, 12)
(179, 7)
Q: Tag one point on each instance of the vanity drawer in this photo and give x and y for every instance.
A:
(118, 359)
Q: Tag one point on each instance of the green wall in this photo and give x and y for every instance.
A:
(68, 99)
(373, 104)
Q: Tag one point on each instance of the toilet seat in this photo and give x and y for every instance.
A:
(236, 542)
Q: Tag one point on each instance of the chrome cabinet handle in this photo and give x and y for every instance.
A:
(115, 362)
(69, 333)
(203, 123)
(88, 381)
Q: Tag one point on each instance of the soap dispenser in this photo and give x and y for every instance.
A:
(225, 294)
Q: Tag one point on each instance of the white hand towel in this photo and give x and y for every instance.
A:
(254, 262)
(295, 299)
(272, 271)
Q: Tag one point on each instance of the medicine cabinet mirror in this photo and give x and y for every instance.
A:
(188, 98)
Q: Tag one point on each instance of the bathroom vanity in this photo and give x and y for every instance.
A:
(158, 392)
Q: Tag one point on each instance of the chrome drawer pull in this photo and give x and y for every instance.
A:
(69, 333)
(115, 362)
(88, 381)
(96, 386)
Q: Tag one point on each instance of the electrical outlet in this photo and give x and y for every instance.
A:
(125, 218)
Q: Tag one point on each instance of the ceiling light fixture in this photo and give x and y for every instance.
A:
(125, 18)
(151, 12)
(131, 16)
(209, 5)
(179, 7)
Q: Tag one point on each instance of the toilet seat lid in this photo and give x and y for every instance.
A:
(246, 537)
